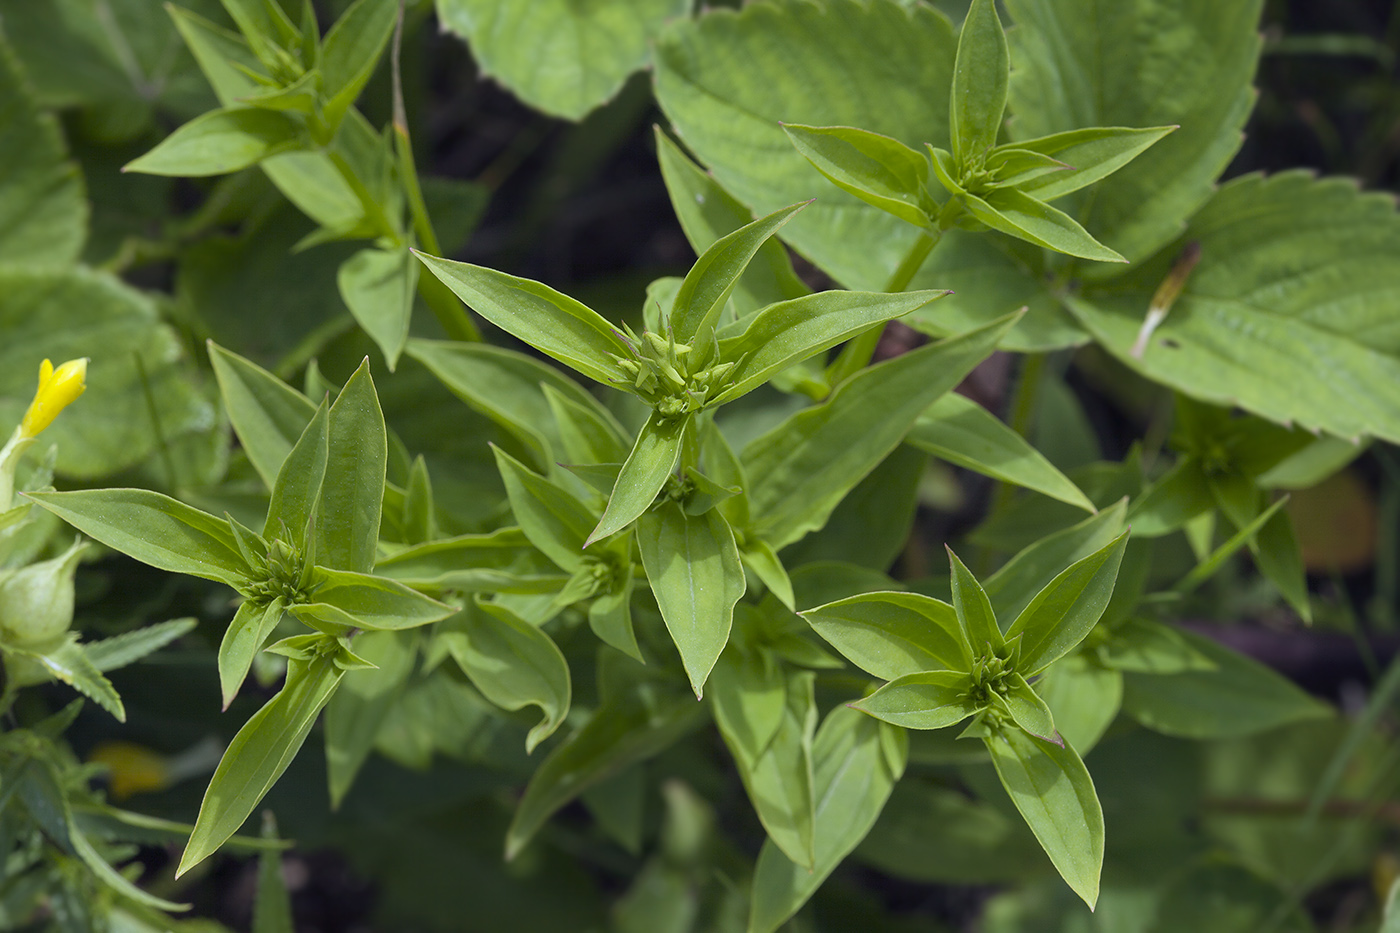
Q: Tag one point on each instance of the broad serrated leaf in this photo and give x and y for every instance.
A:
(154, 529)
(693, 568)
(727, 79)
(558, 56)
(1051, 787)
(1300, 266)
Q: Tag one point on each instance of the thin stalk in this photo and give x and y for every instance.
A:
(439, 298)
(1021, 415)
(857, 353)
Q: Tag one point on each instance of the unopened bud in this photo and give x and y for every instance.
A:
(57, 390)
(36, 602)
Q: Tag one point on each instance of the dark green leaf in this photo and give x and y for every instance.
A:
(351, 52)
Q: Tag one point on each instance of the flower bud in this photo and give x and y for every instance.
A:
(57, 390)
(36, 602)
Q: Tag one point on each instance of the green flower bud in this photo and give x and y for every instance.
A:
(36, 602)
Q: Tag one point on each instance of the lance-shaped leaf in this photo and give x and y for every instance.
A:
(779, 779)
(1236, 696)
(589, 434)
(1141, 646)
(245, 636)
(347, 523)
(154, 529)
(980, 77)
(1014, 213)
(709, 283)
(892, 635)
(259, 753)
(1173, 500)
(506, 387)
(630, 726)
(881, 171)
(927, 700)
(1067, 609)
(1083, 697)
(693, 567)
(351, 51)
(707, 212)
(70, 664)
(547, 320)
(109, 654)
(513, 663)
(801, 469)
(1090, 154)
(268, 414)
(749, 694)
(856, 761)
(791, 331)
(222, 141)
(1051, 787)
(553, 520)
(298, 487)
(610, 614)
(759, 557)
(643, 474)
(378, 286)
(502, 561)
(360, 600)
(960, 431)
(361, 705)
(976, 618)
(1028, 710)
(1015, 584)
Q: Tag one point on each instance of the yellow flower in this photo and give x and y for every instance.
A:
(57, 390)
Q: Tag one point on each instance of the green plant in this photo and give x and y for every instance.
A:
(703, 531)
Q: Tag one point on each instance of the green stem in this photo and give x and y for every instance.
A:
(1021, 415)
(859, 350)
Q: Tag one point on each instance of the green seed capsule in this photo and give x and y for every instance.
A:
(36, 602)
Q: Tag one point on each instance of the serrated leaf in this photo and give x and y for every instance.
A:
(1300, 266)
(220, 142)
(514, 664)
(1049, 784)
(892, 635)
(695, 573)
(727, 79)
(557, 56)
(154, 529)
(957, 429)
(1079, 67)
(70, 664)
(109, 654)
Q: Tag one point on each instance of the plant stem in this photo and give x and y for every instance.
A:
(857, 353)
(1020, 416)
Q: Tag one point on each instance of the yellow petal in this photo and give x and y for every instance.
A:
(57, 390)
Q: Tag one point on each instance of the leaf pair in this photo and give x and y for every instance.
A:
(945, 663)
(978, 185)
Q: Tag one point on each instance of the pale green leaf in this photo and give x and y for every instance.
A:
(1083, 696)
(1067, 609)
(892, 635)
(553, 520)
(1017, 581)
(347, 521)
(927, 700)
(297, 491)
(881, 171)
(643, 473)
(378, 286)
(1090, 155)
(360, 600)
(268, 414)
(220, 142)
(979, 84)
(109, 654)
(360, 706)
(245, 636)
(1017, 214)
(976, 619)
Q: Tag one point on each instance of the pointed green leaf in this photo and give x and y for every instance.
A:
(109, 654)
(892, 635)
(786, 333)
(1017, 582)
(881, 171)
(473, 563)
(378, 286)
(220, 142)
(980, 77)
(154, 529)
(588, 433)
(553, 520)
(1019, 215)
(855, 764)
(801, 469)
(347, 521)
(514, 664)
(709, 283)
(1091, 154)
(547, 320)
(258, 755)
(1237, 697)
(1142, 646)
(1011, 166)
(67, 662)
(1067, 608)
(693, 567)
(362, 704)
(245, 636)
(1051, 787)
(359, 600)
(643, 474)
(1280, 559)
(707, 212)
(779, 779)
(749, 695)
(268, 414)
(768, 567)
(957, 429)
(298, 487)
(1173, 500)
(351, 51)
(1084, 698)
(976, 618)
(927, 700)
(610, 615)
(1029, 711)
